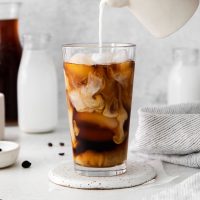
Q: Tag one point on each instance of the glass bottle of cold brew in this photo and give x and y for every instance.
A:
(10, 56)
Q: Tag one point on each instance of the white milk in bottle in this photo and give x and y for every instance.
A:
(37, 87)
(184, 79)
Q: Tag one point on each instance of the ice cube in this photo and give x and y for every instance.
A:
(102, 58)
(76, 100)
(92, 104)
(94, 84)
(83, 103)
(81, 58)
(111, 108)
(120, 56)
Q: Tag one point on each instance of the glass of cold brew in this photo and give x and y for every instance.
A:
(99, 82)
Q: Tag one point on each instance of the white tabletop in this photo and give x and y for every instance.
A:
(17, 183)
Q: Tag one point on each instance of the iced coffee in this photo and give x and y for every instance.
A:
(99, 95)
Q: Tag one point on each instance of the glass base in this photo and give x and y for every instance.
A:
(100, 172)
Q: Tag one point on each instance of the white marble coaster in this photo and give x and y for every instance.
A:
(137, 174)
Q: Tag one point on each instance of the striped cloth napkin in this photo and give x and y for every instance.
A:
(169, 133)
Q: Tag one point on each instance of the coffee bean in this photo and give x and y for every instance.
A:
(0, 151)
(50, 144)
(26, 164)
(61, 154)
(62, 144)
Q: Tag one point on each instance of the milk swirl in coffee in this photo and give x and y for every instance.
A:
(99, 94)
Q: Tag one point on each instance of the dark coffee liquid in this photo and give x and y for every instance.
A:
(10, 56)
(99, 100)
(96, 138)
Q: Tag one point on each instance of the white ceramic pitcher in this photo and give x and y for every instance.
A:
(160, 17)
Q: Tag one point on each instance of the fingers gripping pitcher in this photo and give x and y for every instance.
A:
(99, 83)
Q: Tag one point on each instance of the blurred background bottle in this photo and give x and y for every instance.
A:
(37, 86)
(2, 116)
(184, 79)
(10, 56)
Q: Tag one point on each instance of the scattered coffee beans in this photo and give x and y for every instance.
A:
(50, 144)
(62, 144)
(26, 164)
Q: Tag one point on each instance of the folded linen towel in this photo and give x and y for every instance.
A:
(170, 133)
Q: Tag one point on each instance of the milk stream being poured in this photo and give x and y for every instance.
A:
(103, 3)
(101, 10)
(114, 56)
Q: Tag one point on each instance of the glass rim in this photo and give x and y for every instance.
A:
(96, 45)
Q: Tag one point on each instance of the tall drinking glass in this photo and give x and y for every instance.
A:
(99, 83)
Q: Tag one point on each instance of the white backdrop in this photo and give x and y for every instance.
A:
(77, 21)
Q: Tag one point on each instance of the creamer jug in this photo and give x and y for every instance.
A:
(160, 17)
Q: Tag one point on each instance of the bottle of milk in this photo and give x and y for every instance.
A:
(37, 86)
(184, 79)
